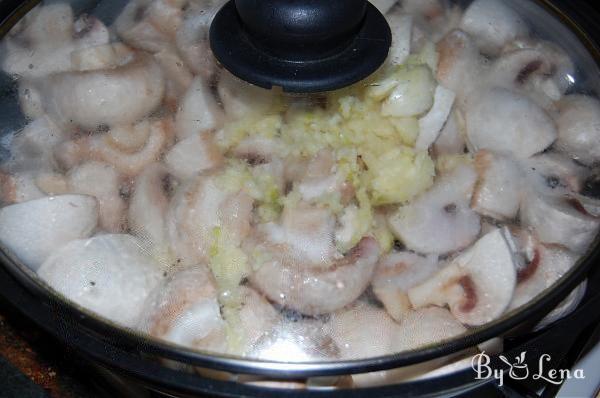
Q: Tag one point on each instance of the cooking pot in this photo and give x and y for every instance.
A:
(172, 369)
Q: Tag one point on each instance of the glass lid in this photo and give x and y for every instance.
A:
(144, 181)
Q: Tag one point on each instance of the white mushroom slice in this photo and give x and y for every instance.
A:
(502, 121)
(91, 99)
(105, 56)
(107, 274)
(555, 174)
(130, 138)
(413, 93)
(427, 326)
(147, 210)
(102, 147)
(19, 187)
(363, 331)
(579, 128)
(431, 124)
(197, 209)
(460, 66)
(32, 147)
(135, 27)
(52, 183)
(198, 111)
(498, 190)
(384, 5)
(32, 230)
(177, 74)
(242, 99)
(43, 41)
(395, 274)
(102, 181)
(451, 140)
(192, 39)
(556, 220)
(478, 285)
(184, 310)
(440, 221)
(535, 72)
(402, 28)
(284, 280)
(558, 67)
(193, 155)
(493, 24)
(309, 232)
(257, 318)
(304, 340)
(547, 266)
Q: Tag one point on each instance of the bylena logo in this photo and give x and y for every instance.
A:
(519, 369)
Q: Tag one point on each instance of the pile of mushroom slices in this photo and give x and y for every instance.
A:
(119, 194)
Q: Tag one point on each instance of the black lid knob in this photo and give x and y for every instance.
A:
(300, 45)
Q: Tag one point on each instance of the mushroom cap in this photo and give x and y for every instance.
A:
(478, 285)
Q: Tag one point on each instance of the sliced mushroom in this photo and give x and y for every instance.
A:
(559, 69)
(395, 274)
(460, 66)
(554, 173)
(451, 140)
(184, 310)
(104, 147)
(308, 231)
(32, 147)
(284, 280)
(430, 125)
(363, 331)
(498, 190)
(539, 72)
(548, 265)
(503, 121)
(41, 44)
(193, 155)
(32, 230)
(19, 187)
(478, 285)
(90, 99)
(192, 39)
(178, 76)
(440, 221)
(107, 274)
(402, 28)
(148, 24)
(102, 181)
(198, 111)
(199, 207)
(557, 220)
(147, 210)
(579, 128)
(493, 24)
(303, 340)
(105, 56)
